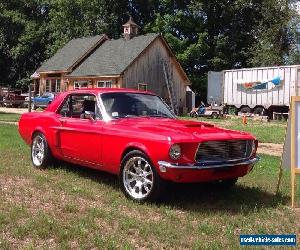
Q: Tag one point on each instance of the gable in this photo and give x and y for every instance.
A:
(71, 53)
(166, 54)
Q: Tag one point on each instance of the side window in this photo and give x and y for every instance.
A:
(65, 108)
(76, 105)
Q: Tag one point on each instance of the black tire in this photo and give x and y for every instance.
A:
(214, 115)
(46, 157)
(258, 111)
(245, 109)
(33, 107)
(227, 183)
(193, 114)
(158, 185)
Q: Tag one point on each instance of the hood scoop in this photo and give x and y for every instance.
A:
(199, 125)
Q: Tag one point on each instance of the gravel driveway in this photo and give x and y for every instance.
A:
(13, 110)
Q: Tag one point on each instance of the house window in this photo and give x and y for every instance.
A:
(57, 85)
(48, 86)
(53, 85)
(104, 84)
(80, 85)
(142, 86)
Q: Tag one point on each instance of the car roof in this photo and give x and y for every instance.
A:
(60, 97)
(108, 90)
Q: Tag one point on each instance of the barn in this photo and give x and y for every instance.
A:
(143, 62)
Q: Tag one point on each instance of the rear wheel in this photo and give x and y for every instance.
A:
(193, 114)
(245, 109)
(138, 178)
(258, 111)
(40, 152)
(214, 115)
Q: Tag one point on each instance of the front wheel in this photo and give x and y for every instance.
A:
(138, 178)
(33, 107)
(40, 152)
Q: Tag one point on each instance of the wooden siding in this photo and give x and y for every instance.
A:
(44, 77)
(116, 81)
(147, 68)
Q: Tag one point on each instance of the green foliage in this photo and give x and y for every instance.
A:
(272, 43)
(204, 35)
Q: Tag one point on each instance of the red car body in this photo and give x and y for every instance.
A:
(102, 144)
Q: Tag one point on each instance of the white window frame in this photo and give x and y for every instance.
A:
(106, 84)
(58, 85)
(47, 85)
(50, 81)
(79, 84)
(144, 85)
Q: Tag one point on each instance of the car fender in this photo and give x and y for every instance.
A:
(134, 146)
(153, 155)
(39, 129)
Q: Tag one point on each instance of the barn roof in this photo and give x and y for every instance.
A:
(114, 56)
(70, 54)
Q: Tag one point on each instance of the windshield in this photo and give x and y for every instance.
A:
(120, 105)
(47, 95)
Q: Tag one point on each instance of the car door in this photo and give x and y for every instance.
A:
(40, 101)
(80, 139)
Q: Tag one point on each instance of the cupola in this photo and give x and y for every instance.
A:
(130, 29)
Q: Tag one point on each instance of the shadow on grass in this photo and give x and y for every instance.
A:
(89, 173)
(207, 197)
(198, 197)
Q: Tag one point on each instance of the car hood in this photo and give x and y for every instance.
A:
(182, 130)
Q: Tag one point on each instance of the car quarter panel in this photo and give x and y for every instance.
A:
(44, 122)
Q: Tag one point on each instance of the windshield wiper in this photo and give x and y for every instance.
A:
(125, 116)
(161, 115)
(137, 116)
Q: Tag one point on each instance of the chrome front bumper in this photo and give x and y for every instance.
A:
(163, 165)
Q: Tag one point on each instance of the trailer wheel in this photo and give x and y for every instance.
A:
(258, 111)
(245, 109)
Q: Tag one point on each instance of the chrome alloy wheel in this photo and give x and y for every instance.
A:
(38, 150)
(138, 177)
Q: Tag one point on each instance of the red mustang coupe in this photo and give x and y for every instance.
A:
(134, 134)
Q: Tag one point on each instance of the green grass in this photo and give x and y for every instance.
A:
(69, 206)
(9, 117)
(272, 132)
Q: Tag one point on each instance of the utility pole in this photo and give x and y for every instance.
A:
(29, 98)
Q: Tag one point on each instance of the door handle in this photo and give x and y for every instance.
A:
(62, 120)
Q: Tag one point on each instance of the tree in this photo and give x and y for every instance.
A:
(273, 39)
(70, 19)
(22, 42)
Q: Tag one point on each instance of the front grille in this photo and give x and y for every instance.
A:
(224, 150)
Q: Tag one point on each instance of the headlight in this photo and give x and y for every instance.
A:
(175, 152)
(254, 146)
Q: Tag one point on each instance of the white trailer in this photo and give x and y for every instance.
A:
(252, 89)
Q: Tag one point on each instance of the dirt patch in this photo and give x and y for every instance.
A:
(270, 149)
(13, 110)
(11, 123)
